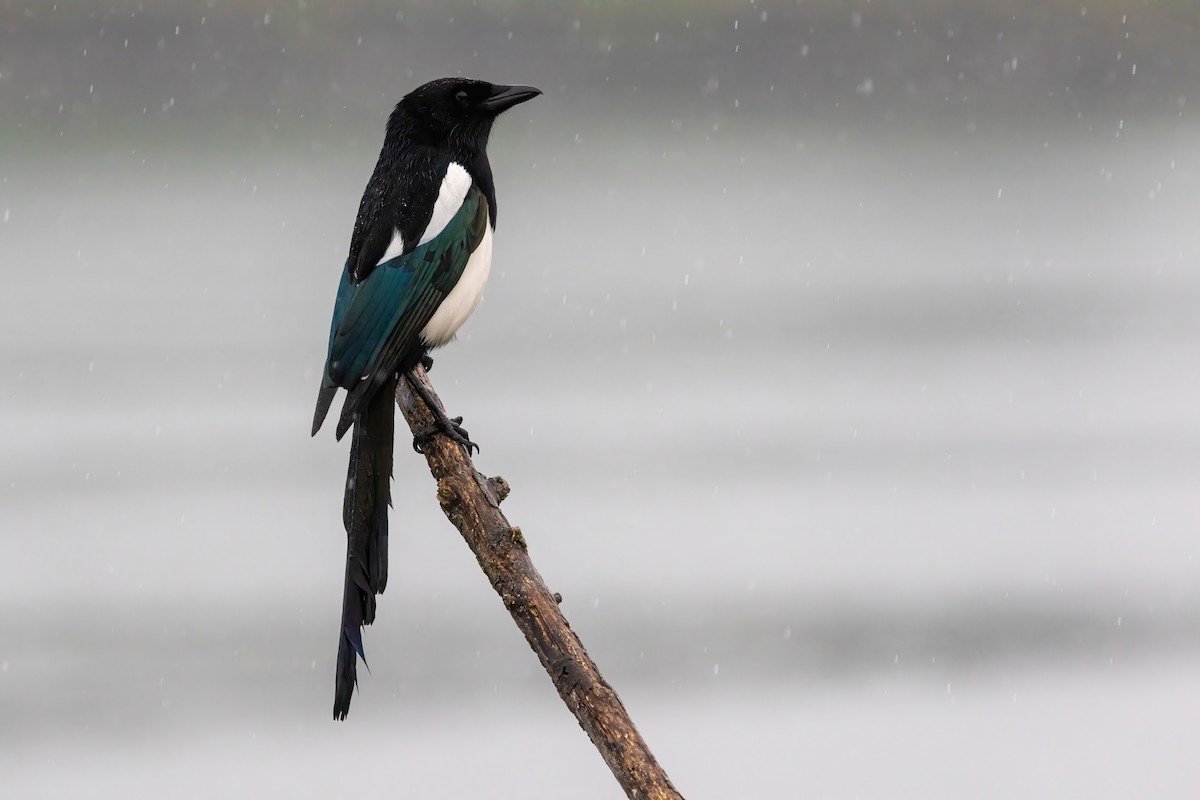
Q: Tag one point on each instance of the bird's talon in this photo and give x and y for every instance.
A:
(452, 428)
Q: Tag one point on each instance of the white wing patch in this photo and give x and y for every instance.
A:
(465, 295)
(450, 198)
(451, 194)
(395, 248)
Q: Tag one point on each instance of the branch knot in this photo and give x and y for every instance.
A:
(500, 488)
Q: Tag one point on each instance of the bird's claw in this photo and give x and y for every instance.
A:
(452, 428)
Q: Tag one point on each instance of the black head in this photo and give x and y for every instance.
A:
(457, 111)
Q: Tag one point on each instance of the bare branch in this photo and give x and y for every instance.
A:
(472, 502)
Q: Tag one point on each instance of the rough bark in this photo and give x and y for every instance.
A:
(472, 502)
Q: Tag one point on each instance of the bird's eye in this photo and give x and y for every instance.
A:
(461, 97)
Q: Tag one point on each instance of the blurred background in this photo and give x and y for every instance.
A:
(842, 357)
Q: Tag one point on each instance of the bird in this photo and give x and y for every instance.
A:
(419, 258)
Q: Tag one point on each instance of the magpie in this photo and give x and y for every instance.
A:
(419, 258)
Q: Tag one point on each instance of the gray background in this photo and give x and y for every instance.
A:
(842, 358)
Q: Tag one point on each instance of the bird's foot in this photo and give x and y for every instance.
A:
(450, 427)
(426, 362)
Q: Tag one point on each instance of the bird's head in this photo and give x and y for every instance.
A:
(457, 111)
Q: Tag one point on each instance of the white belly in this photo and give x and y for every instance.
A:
(464, 297)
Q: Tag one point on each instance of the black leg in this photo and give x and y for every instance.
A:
(451, 427)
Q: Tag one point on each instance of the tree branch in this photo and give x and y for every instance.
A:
(472, 502)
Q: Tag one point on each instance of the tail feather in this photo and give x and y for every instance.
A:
(382, 412)
(324, 401)
(364, 514)
(365, 392)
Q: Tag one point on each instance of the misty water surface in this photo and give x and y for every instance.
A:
(865, 458)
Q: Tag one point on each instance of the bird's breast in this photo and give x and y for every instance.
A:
(464, 297)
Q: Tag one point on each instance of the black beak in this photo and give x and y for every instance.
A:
(505, 97)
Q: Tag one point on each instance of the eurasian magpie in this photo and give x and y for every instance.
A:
(419, 257)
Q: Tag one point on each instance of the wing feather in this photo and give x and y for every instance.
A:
(377, 322)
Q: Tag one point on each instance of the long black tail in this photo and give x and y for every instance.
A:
(364, 513)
